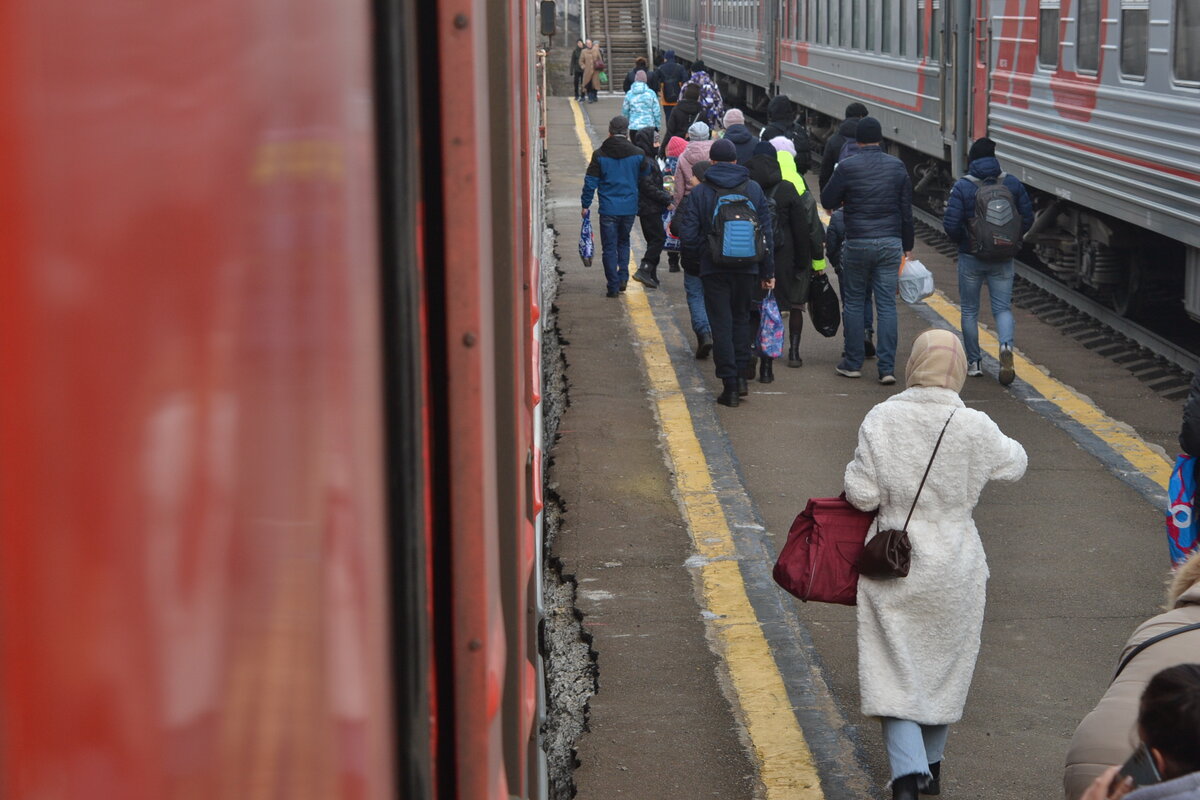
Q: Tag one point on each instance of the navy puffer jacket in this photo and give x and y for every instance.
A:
(696, 221)
(960, 208)
(877, 196)
(743, 141)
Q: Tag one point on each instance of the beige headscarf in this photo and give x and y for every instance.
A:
(937, 359)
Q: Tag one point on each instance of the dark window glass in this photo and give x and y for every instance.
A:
(887, 41)
(844, 22)
(935, 33)
(1135, 27)
(1087, 40)
(1187, 40)
(1048, 37)
(921, 28)
(870, 24)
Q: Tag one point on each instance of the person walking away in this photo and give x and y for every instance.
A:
(669, 78)
(696, 151)
(977, 266)
(684, 114)
(653, 200)
(590, 61)
(736, 131)
(614, 172)
(641, 105)
(799, 247)
(781, 121)
(835, 144)
(1167, 720)
(710, 94)
(1102, 738)
(877, 196)
(674, 149)
(918, 636)
(692, 284)
(639, 65)
(723, 220)
(835, 236)
(576, 70)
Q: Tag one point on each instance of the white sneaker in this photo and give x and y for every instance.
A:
(1007, 371)
(974, 369)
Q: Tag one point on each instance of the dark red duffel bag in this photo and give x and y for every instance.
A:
(823, 545)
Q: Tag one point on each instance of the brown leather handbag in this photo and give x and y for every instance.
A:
(889, 554)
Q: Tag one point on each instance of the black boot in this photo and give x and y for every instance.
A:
(868, 346)
(672, 262)
(905, 787)
(654, 274)
(934, 785)
(645, 276)
(794, 359)
(704, 344)
(766, 372)
(730, 396)
(743, 388)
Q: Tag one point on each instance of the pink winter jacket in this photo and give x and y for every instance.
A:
(693, 155)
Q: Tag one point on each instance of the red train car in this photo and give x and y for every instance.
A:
(269, 473)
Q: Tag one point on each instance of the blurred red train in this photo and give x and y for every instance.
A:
(269, 461)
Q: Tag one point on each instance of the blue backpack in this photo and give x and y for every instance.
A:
(735, 240)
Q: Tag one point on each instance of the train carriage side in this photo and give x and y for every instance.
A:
(737, 42)
(1097, 105)
(677, 28)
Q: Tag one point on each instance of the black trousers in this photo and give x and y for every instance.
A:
(727, 301)
(578, 76)
(656, 237)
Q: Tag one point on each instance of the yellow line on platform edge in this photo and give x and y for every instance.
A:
(786, 766)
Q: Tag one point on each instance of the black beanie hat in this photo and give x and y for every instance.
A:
(981, 148)
(869, 131)
(780, 107)
(722, 150)
(763, 149)
(619, 125)
(856, 110)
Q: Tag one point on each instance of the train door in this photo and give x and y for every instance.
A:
(981, 59)
(955, 35)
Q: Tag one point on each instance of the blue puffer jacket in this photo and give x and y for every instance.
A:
(877, 195)
(697, 214)
(743, 141)
(615, 170)
(960, 208)
(642, 108)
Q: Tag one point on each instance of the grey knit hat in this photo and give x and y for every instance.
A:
(699, 132)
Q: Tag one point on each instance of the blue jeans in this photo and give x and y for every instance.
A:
(870, 264)
(614, 243)
(868, 305)
(694, 286)
(971, 276)
(911, 748)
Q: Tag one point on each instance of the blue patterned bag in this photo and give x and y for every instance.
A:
(672, 242)
(1181, 512)
(770, 328)
(587, 248)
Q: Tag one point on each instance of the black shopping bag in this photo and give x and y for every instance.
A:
(823, 305)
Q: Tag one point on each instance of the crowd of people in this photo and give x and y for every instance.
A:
(747, 224)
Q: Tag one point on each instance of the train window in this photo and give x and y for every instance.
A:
(1187, 40)
(856, 23)
(887, 40)
(1087, 36)
(844, 13)
(1135, 29)
(935, 32)
(1048, 37)
(920, 29)
(903, 24)
(869, 21)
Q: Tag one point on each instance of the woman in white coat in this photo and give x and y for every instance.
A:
(918, 637)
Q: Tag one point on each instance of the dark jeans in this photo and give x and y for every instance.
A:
(656, 237)
(873, 263)
(614, 244)
(578, 76)
(727, 301)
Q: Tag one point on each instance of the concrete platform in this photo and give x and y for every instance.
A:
(1077, 554)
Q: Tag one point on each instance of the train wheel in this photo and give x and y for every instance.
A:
(1127, 297)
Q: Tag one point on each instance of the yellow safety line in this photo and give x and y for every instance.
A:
(1116, 435)
(785, 762)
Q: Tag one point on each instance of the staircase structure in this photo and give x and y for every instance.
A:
(620, 27)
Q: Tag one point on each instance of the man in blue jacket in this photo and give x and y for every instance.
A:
(616, 167)
(972, 272)
(875, 194)
(727, 289)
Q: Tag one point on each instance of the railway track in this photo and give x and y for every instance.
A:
(1165, 366)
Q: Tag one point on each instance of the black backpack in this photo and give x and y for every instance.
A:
(996, 229)
(736, 239)
(776, 222)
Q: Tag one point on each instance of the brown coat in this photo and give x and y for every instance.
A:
(1107, 735)
(587, 60)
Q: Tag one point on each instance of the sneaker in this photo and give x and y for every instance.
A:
(887, 380)
(1007, 370)
(974, 369)
(846, 372)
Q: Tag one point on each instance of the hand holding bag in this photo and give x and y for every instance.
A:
(770, 328)
(587, 247)
(915, 282)
(889, 553)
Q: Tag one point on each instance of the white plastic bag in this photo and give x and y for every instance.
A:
(916, 282)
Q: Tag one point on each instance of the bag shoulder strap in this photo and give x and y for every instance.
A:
(928, 467)
(1152, 640)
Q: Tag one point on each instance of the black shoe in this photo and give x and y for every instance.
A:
(672, 266)
(704, 344)
(645, 277)
(729, 397)
(766, 371)
(743, 387)
(747, 372)
(868, 347)
(624, 286)
(794, 359)
(934, 784)
(905, 787)
(612, 294)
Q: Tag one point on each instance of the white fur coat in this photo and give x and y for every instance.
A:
(918, 637)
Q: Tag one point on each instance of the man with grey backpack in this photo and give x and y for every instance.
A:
(987, 214)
